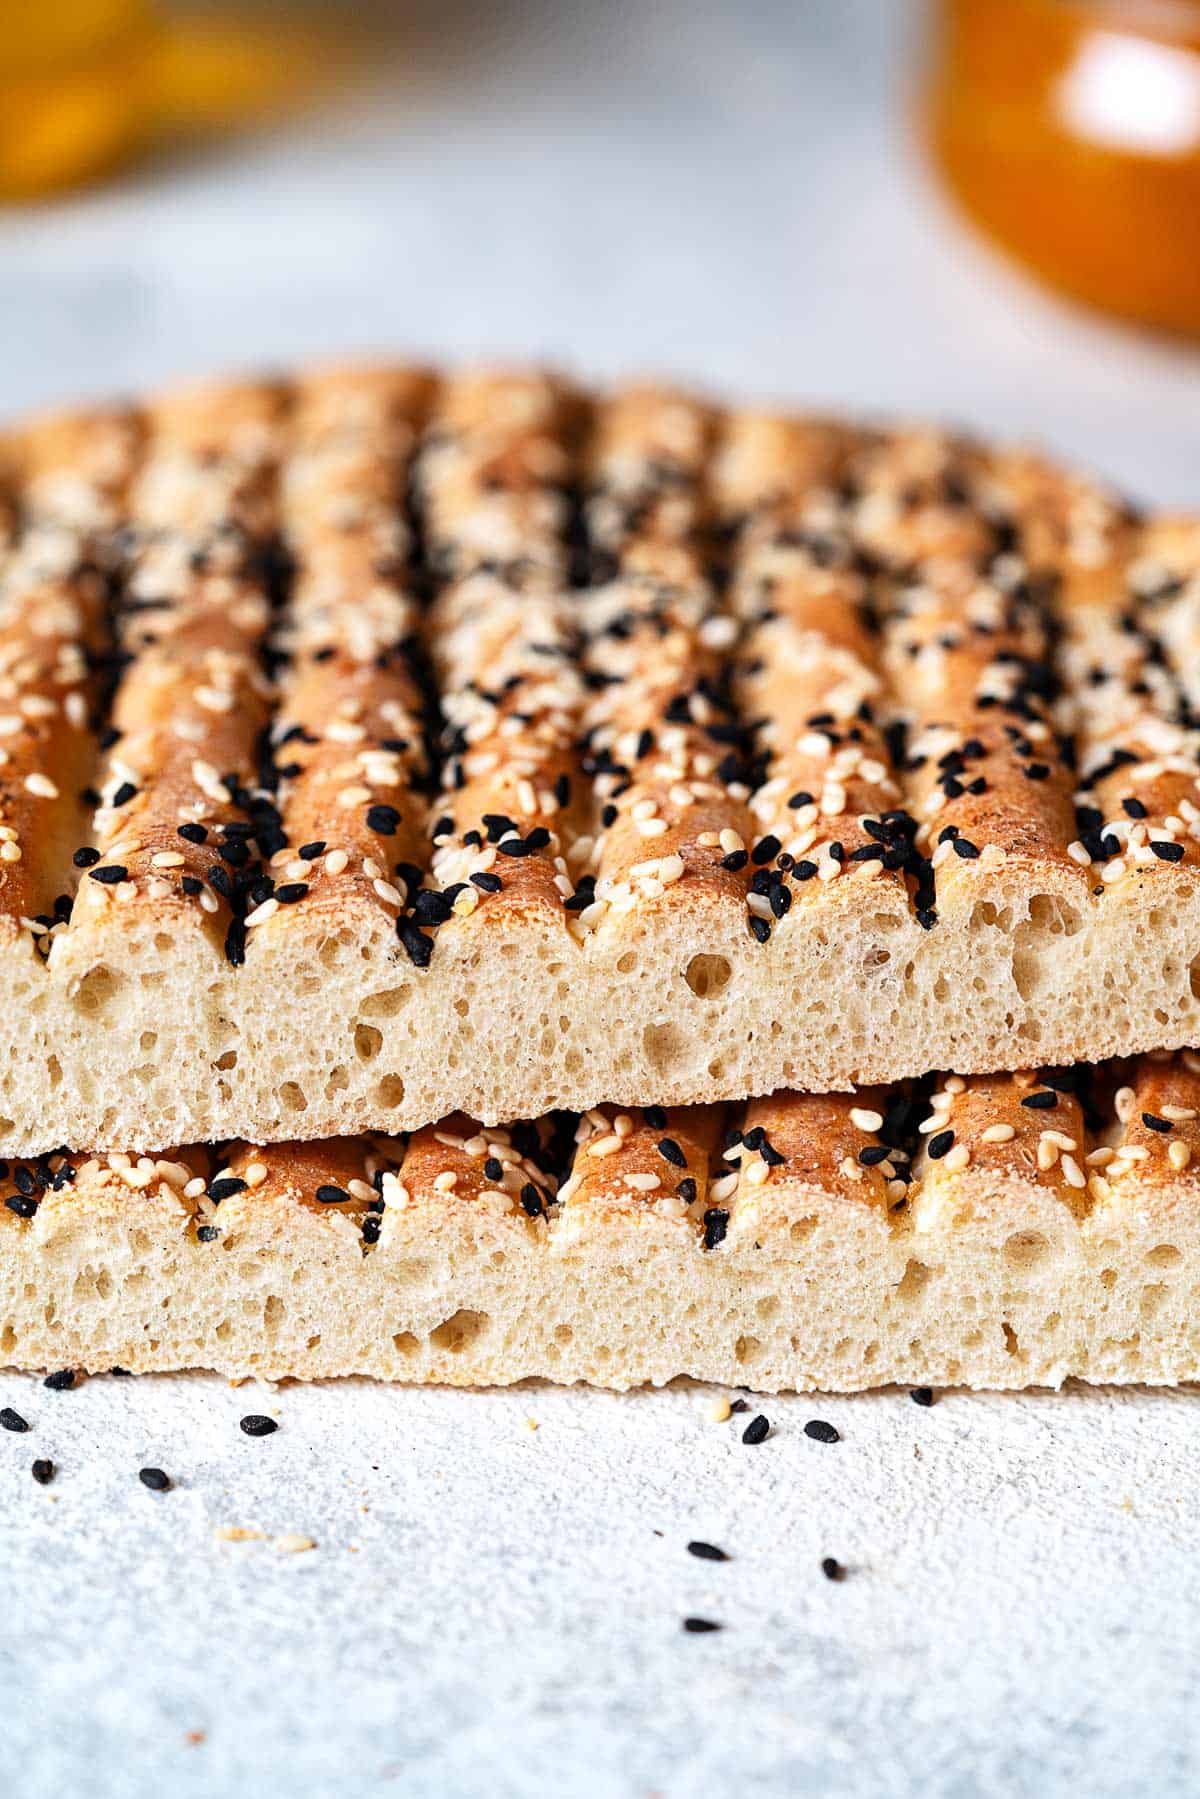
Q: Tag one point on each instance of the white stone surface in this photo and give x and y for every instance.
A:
(727, 193)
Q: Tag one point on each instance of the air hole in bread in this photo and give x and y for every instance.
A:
(96, 989)
(1048, 918)
(1194, 977)
(1011, 1345)
(1164, 1255)
(367, 1042)
(457, 1332)
(913, 1281)
(291, 1097)
(1152, 1298)
(663, 1044)
(404, 1343)
(747, 1349)
(627, 963)
(1025, 1249)
(389, 1091)
(707, 975)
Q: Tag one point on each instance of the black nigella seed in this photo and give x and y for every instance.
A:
(291, 892)
(43, 1472)
(699, 1627)
(62, 1382)
(716, 1223)
(193, 833)
(1152, 1122)
(10, 1420)
(707, 1552)
(922, 1396)
(940, 1144)
(655, 1117)
(687, 1193)
(329, 1195)
(125, 792)
(308, 852)
(531, 1200)
(1040, 1102)
(155, 1479)
(759, 928)
(86, 858)
(756, 1431)
(821, 1432)
(671, 1152)
(23, 1204)
(831, 1568)
(256, 1424)
(110, 876)
(384, 819)
(1168, 852)
(225, 1187)
(207, 1233)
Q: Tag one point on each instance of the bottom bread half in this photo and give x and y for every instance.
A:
(1028, 1233)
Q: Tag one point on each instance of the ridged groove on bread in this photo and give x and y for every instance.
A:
(1040, 1232)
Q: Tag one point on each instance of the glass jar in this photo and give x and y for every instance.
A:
(1069, 130)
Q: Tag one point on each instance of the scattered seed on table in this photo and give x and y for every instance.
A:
(820, 1432)
(155, 1479)
(832, 1569)
(740, 1405)
(10, 1420)
(756, 1430)
(698, 1627)
(255, 1424)
(43, 1472)
(62, 1382)
(707, 1552)
(922, 1396)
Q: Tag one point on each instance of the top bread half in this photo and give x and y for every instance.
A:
(377, 745)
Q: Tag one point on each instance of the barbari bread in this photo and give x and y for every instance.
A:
(377, 745)
(1000, 1231)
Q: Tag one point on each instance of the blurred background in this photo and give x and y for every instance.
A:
(770, 199)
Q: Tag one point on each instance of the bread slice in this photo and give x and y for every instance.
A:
(1001, 1231)
(377, 745)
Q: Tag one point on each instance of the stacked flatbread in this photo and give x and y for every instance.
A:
(567, 830)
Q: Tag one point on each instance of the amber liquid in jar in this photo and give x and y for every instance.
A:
(1070, 132)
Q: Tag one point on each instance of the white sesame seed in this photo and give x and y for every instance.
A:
(866, 1120)
(336, 862)
(999, 1133)
(41, 786)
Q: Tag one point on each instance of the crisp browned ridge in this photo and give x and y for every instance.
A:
(379, 744)
(1003, 1230)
